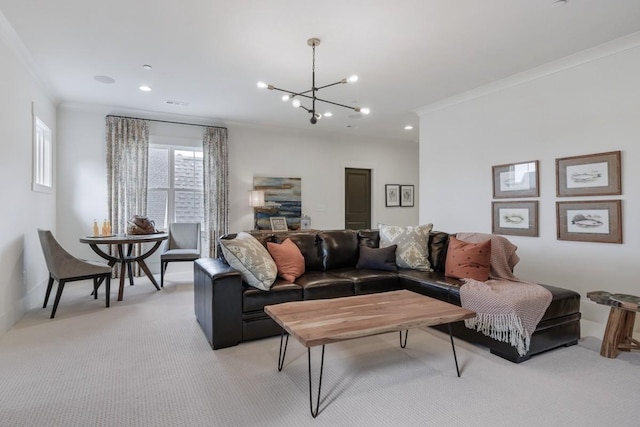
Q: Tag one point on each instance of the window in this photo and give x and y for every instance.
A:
(42, 157)
(175, 189)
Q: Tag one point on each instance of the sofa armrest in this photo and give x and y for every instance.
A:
(218, 301)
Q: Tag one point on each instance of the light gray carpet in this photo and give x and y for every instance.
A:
(145, 362)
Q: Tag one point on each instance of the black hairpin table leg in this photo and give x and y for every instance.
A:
(454, 349)
(403, 344)
(282, 352)
(314, 413)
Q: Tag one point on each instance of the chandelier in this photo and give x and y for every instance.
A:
(311, 93)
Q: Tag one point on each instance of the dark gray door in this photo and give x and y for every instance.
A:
(357, 195)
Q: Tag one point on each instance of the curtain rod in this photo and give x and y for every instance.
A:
(166, 121)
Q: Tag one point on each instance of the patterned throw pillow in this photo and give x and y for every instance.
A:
(413, 245)
(468, 260)
(247, 255)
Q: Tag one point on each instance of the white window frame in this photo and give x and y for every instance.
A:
(42, 157)
(171, 149)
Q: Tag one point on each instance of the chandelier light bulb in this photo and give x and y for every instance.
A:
(365, 110)
(285, 98)
(262, 85)
(352, 79)
(296, 103)
(328, 114)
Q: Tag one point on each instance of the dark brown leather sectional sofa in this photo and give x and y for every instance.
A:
(229, 311)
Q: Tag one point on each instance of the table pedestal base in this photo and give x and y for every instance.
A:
(618, 336)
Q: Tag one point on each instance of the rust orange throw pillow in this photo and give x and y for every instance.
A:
(288, 259)
(468, 260)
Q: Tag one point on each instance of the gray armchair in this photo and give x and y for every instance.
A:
(183, 244)
(64, 268)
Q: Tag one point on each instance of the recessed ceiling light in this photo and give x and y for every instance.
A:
(559, 3)
(147, 67)
(145, 88)
(408, 127)
(104, 79)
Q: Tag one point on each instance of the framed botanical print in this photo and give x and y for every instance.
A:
(589, 175)
(406, 195)
(515, 180)
(515, 218)
(392, 195)
(592, 221)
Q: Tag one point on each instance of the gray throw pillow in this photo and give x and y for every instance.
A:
(378, 258)
(247, 255)
(413, 245)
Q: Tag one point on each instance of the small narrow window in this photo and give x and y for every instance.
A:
(42, 157)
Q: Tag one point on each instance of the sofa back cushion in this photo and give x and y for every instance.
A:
(438, 243)
(339, 248)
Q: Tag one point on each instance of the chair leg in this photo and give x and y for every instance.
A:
(46, 296)
(107, 285)
(57, 300)
(130, 269)
(163, 267)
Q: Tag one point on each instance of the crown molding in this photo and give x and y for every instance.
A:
(614, 47)
(9, 36)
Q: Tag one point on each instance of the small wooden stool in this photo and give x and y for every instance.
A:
(618, 335)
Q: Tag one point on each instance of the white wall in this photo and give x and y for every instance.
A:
(22, 267)
(588, 103)
(319, 159)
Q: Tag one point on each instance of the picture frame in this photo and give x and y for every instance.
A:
(590, 221)
(519, 218)
(516, 180)
(589, 175)
(278, 223)
(392, 195)
(406, 195)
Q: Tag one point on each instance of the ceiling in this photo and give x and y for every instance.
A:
(209, 54)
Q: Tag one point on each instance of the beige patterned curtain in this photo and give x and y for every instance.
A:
(216, 185)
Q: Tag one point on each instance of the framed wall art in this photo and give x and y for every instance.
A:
(592, 221)
(282, 198)
(589, 175)
(515, 218)
(278, 223)
(392, 195)
(515, 180)
(406, 195)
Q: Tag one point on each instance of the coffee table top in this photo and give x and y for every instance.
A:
(319, 322)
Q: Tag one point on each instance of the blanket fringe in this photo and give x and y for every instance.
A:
(502, 327)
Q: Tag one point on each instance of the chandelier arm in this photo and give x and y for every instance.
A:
(291, 92)
(339, 105)
(329, 85)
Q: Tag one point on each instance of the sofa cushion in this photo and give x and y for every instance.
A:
(339, 248)
(378, 258)
(370, 281)
(468, 260)
(288, 259)
(438, 242)
(320, 284)
(281, 291)
(251, 259)
(412, 242)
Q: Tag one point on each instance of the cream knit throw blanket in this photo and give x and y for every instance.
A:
(507, 309)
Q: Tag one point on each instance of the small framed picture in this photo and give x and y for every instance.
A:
(392, 195)
(406, 195)
(594, 221)
(589, 175)
(515, 218)
(278, 223)
(305, 223)
(515, 180)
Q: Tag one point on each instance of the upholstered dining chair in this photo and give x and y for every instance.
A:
(183, 244)
(64, 268)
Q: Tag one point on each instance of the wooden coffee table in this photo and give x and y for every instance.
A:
(320, 322)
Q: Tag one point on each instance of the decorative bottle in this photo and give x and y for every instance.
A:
(96, 231)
